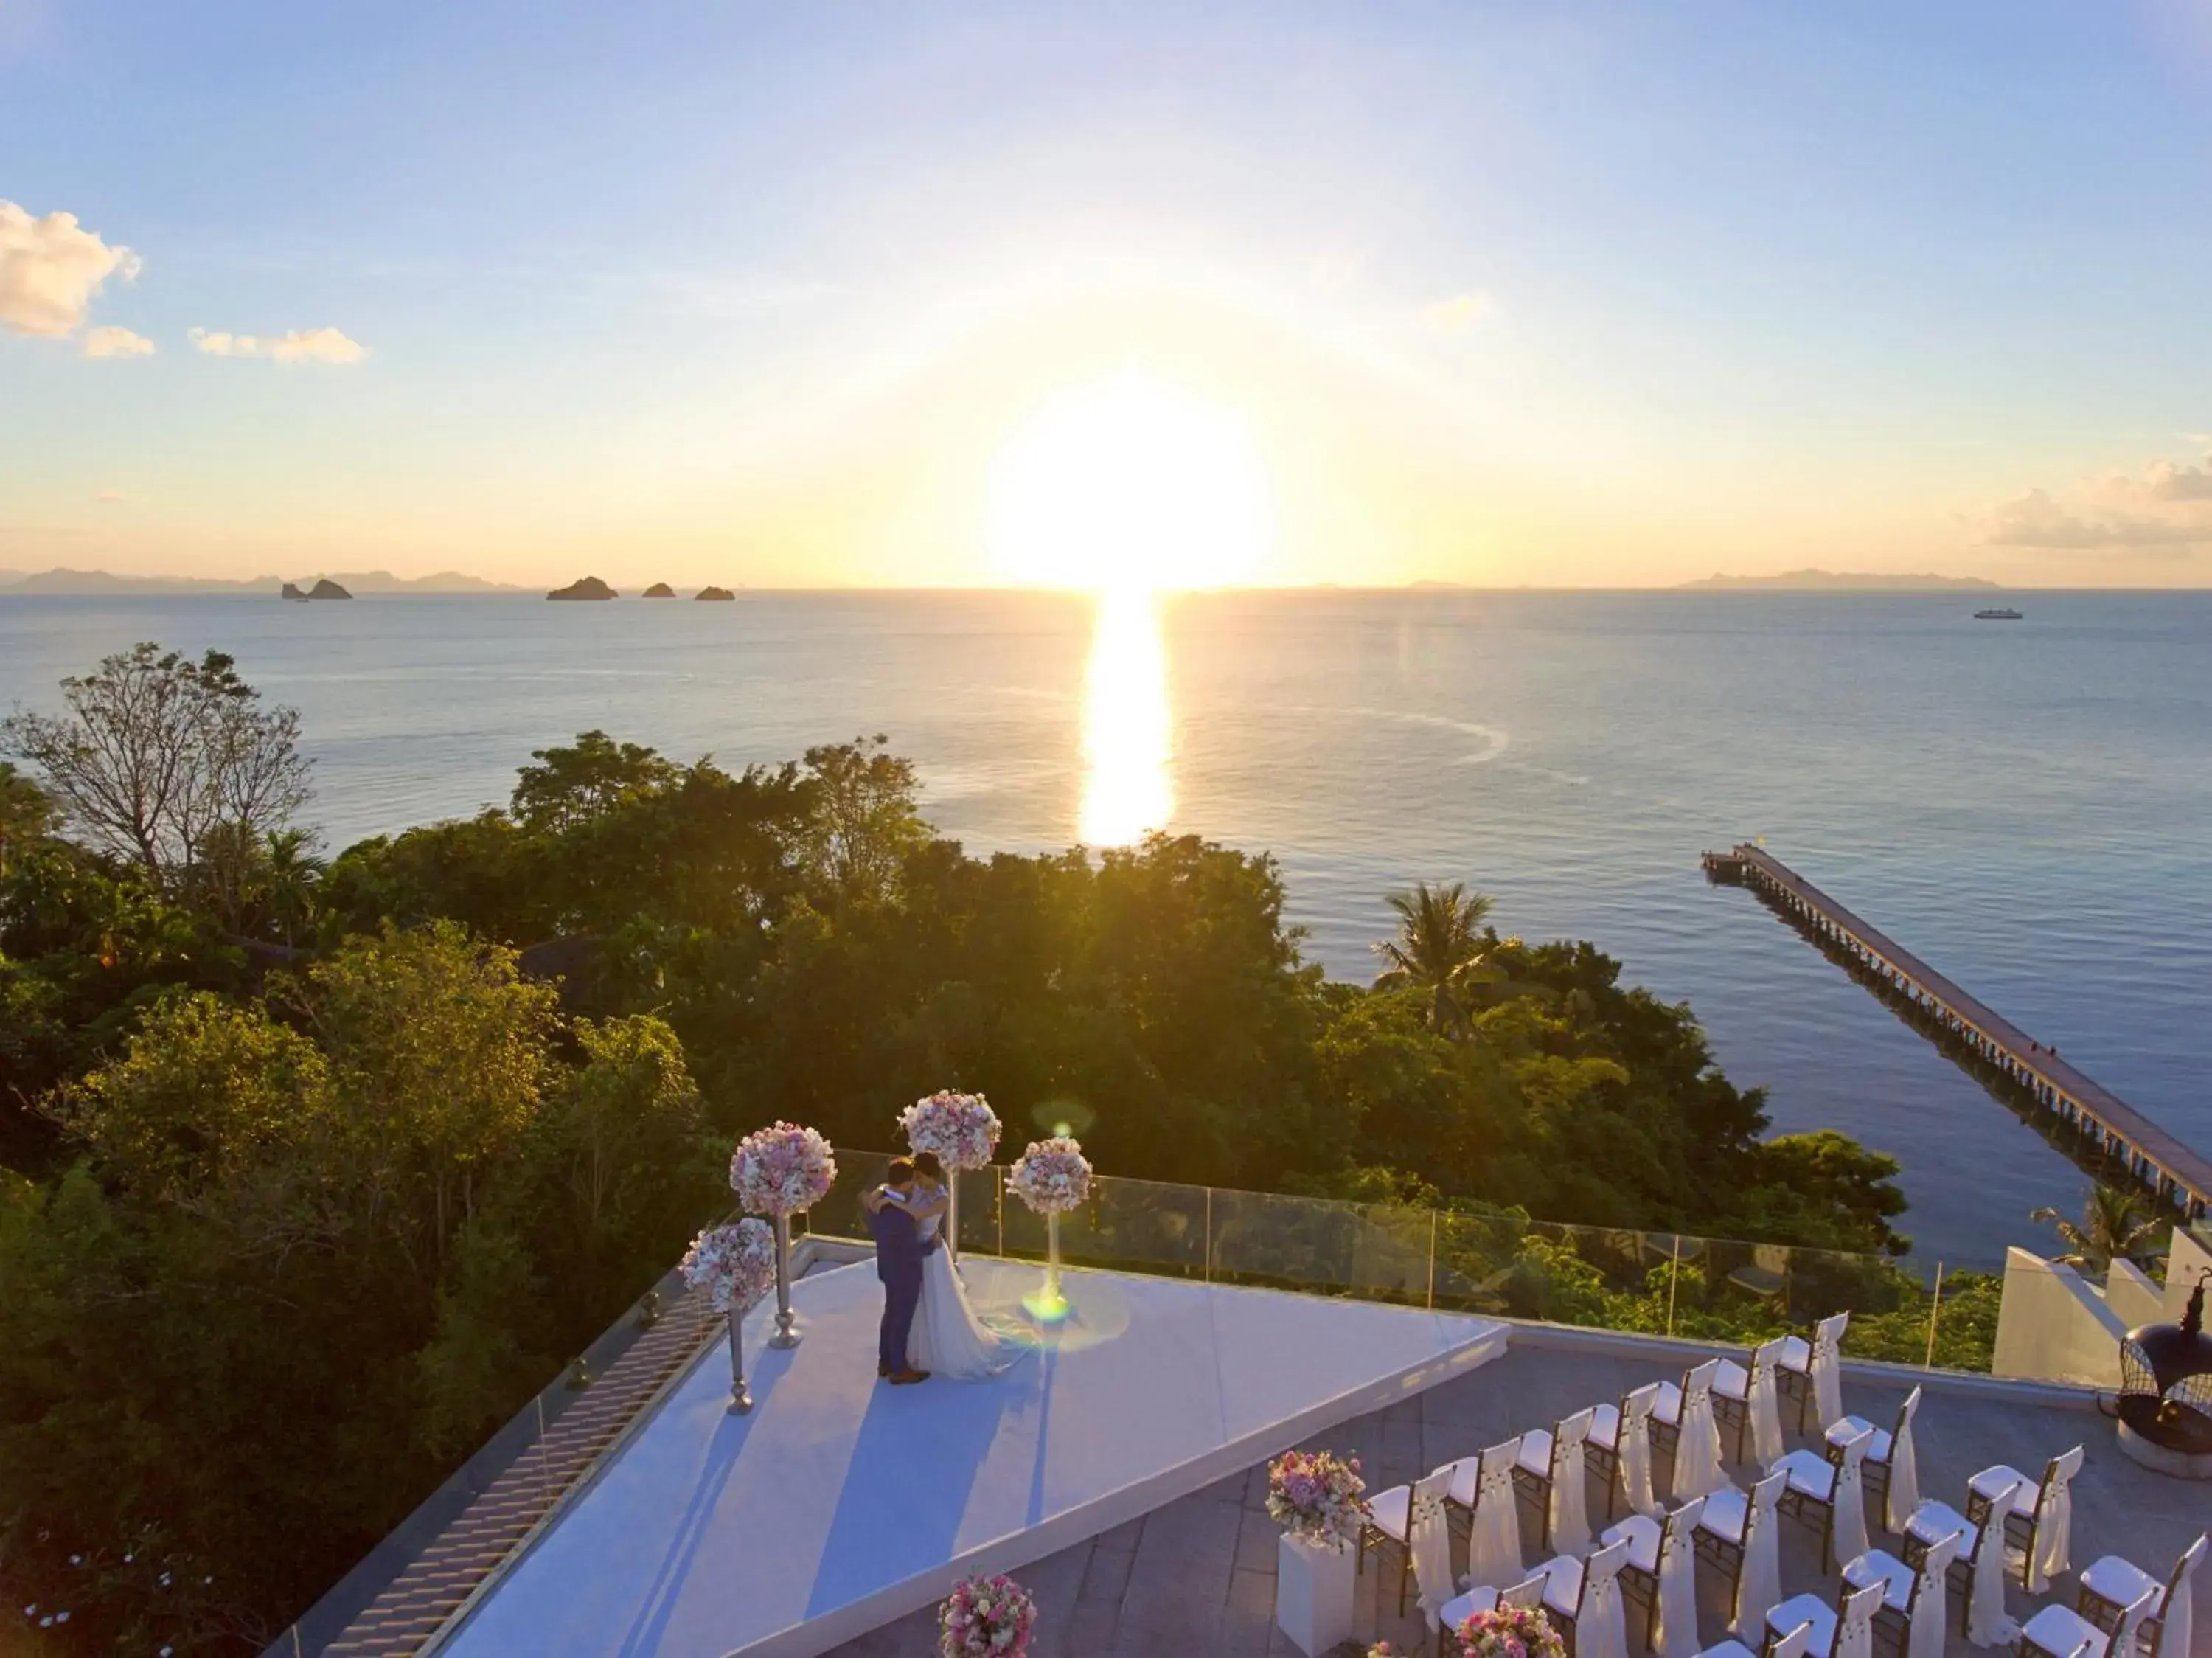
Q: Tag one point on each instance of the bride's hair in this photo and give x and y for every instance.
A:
(926, 1166)
(900, 1172)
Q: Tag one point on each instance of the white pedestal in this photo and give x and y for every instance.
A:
(1313, 1595)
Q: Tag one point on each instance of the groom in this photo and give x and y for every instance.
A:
(900, 1252)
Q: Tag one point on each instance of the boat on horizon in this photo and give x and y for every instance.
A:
(1999, 615)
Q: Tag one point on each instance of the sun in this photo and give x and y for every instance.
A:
(1131, 485)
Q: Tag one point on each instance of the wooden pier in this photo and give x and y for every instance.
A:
(2177, 1174)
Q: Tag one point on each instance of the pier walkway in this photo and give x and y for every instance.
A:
(2177, 1174)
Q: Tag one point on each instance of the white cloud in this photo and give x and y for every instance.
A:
(50, 271)
(111, 497)
(300, 345)
(117, 342)
(2169, 506)
(1460, 313)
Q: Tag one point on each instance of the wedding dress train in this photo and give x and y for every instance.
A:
(948, 1339)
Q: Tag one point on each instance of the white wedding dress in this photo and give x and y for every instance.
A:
(948, 1339)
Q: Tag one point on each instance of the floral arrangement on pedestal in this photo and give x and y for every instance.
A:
(1053, 1176)
(782, 1169)
(1314, 1496)
(1507, 1632)
(961, 1129)
(986, 1618)
(734, 1264)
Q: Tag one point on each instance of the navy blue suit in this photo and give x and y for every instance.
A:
(900, 1252)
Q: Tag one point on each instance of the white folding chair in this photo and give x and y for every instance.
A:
(1737, 1532)
(1660, 1576)
(1747, 1400)
(1910, 1615)
(1892, 1468)
(2110, 1586)
(1811, 1372)
(2058, 1631)
(1483, 1486)
(1550, 1471)
(1620, 1449)
(1825, 1492)
(2038, 1517)
(1528, 1595)
(1842, 1631)
(1683, 1431)
(1582, 1600)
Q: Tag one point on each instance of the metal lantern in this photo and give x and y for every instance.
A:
(2165, 1390)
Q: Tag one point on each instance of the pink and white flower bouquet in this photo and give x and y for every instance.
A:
(1052, 1177)
(1316, 1496)
(986, 1618)
(1507, 1632)
(782, 1169)
(735, 1264)
(961, 1129)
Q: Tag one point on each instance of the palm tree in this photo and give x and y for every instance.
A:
(1442, 946)
(289, 873)
(2114, 1226)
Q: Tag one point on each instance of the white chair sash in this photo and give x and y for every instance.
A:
(1759, 1591)
(1493, 1544)
(1904, 1495)
(1988, 1624)
(1855, 1622)
(1570, 1511)
(2175, 1623)
(1698, 1437)
(1826, 1365)
(1678, 1583)
(2054, 1524)
(2125, 1638)
(1931, 1605)
(1633, 1449)
(1763, 1397)
(1600, 1622)
(1428, 1534)
(1847, 1524)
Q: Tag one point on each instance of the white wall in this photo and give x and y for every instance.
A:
(2053, 1325)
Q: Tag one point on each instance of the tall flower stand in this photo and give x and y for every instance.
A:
(1313, 1593)
(1047, 1305)
(785, 1336)
(741, 1398)
(953, 1216)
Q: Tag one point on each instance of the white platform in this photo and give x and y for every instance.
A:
(841, 1504)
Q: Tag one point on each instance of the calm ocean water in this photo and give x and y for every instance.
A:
(2028, 805)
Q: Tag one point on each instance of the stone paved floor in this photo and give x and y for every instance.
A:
(1198, 1576)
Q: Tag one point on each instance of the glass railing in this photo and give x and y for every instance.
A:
(1467, 1258)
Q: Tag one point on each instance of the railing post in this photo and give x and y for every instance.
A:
(1209, 1234)
(1934, 1310)
(545, 1479)
(1433, 1260)
(999, 1180)
(1674, 1274)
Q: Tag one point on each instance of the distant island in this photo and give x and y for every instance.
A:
(87, 583)
(1824, 581)
(719, 594)
(659, 590)
(589, 588)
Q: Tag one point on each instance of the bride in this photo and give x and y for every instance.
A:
(948, 1339)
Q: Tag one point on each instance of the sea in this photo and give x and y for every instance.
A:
(2026, 804)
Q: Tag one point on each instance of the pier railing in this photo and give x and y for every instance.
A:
(1469, 1258)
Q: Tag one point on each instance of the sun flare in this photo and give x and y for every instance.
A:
(1131, 485)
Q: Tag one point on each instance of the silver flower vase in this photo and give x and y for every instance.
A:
(785, 1335)
(741, 1398)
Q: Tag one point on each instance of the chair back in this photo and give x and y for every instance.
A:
(1905, 1412)
(2191, 1557)
(1850, 1458)
(1933, 1576)
(1527, 1596)
(2125, 1638)
(1494, 1475)
(1828, 1336)
(1680, 1535)
(1568, 1436)
(1427, 1506)
(1758, 1512)
(1698, 1383)
(1636, 1411)
(1792, 1645)
(1601, 1573)
(2058, 1475)
(1855, 1611)
(1766, 1360)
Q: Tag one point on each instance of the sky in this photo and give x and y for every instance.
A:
(1563, 294)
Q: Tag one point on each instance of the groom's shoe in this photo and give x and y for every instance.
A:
(907, 1378)
(882, 1370)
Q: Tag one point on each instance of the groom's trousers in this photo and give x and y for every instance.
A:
(902, 1295)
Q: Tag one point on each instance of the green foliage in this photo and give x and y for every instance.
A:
(323, 1154)
(2116, 1224)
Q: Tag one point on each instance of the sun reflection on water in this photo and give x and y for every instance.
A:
(1128, 727)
